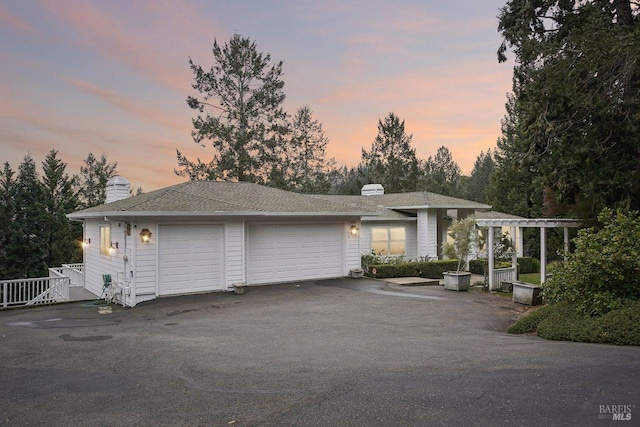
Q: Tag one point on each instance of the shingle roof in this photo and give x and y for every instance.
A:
(211, 197)
(243, 198)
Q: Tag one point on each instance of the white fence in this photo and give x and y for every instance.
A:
(500, 275)
(41, 290)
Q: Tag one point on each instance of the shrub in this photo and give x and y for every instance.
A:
(477, 266)
(603, 273)
(566, 322)
(525, 265)
(427, 269)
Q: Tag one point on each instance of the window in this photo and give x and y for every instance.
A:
(105, 240)
(388, 240)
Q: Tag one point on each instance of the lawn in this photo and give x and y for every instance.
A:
(530, 278)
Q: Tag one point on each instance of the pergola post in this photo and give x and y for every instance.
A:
(543, 255)
(566, 242)
(514, 255)
(490, 258)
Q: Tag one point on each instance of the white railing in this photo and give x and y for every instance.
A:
(41, 290)
(500, 275)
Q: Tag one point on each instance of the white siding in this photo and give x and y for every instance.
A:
(432, 233)
(145, 277)
(353, 247)
(95, 264)
(234, 248)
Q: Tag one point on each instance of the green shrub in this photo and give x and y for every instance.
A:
(526, 266)
(567, 322)
(427, 269)
(603, 273)
(477, 266)
(529, 323)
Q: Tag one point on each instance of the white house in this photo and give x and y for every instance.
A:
(207, 235)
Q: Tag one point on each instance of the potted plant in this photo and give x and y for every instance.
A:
(464, 234)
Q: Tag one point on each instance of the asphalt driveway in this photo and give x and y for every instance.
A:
(342, 352)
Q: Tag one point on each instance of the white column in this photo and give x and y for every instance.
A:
(566, 241)
(514, 256)
(543, 255)
(490, 257)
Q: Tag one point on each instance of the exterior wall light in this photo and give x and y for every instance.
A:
(113, 248)
(85, 243)
(354, 230)
(145, 235)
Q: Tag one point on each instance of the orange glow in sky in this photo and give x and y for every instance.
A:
(112, 77)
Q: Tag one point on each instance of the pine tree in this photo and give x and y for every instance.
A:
(93, 180)
(391, 161)
(480, 178)
(7, 215)
(27, 247)
(441, 174)
(246, 128)
(60, 199)
(308, 169)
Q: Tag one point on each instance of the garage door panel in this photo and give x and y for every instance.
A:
(191, 259)
(295, 252)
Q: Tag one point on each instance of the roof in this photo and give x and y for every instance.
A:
(207, 198)
(422, 200)
(222, 198)
(496, 215)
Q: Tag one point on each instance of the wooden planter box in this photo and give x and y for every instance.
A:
(527, 293)
(457, 281)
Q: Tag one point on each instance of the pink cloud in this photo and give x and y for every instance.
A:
(155, 116)
(14, 23)
(99, 31)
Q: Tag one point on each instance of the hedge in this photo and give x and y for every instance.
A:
(427, 269)
(525, 265)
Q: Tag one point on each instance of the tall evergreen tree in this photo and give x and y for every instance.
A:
(479, 180)
(7, 215)
(61, 198)
(243, 90)
(441, 174)
(93, 180)
(308, 168)
(391, 161)
(576, 102)
(27, 248)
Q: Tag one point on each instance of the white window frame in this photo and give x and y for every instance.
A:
(389, 241)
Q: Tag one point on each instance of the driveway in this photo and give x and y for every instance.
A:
(329, 353)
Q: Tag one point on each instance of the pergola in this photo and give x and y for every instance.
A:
(542, 223)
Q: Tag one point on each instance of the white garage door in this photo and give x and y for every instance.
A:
(191, 259)
(282, 253)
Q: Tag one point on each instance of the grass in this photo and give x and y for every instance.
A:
(533, 278)
(563, 322)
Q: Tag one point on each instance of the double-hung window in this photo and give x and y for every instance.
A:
(388, 240)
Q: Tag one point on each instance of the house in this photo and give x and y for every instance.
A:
(202, 236)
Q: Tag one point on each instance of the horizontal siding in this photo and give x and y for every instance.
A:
(146, 269)
(234, 251)
(97, 264)
(353, 248)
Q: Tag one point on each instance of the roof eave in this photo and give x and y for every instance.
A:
(140, 214)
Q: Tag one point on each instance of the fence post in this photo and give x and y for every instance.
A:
(4, 295)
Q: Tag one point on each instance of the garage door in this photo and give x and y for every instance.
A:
(282, 253)
(191, 259)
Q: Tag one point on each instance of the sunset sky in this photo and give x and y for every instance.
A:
(113, 76)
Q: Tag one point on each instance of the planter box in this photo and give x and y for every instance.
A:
(527, 293)
(356, 273)
(457, 281)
